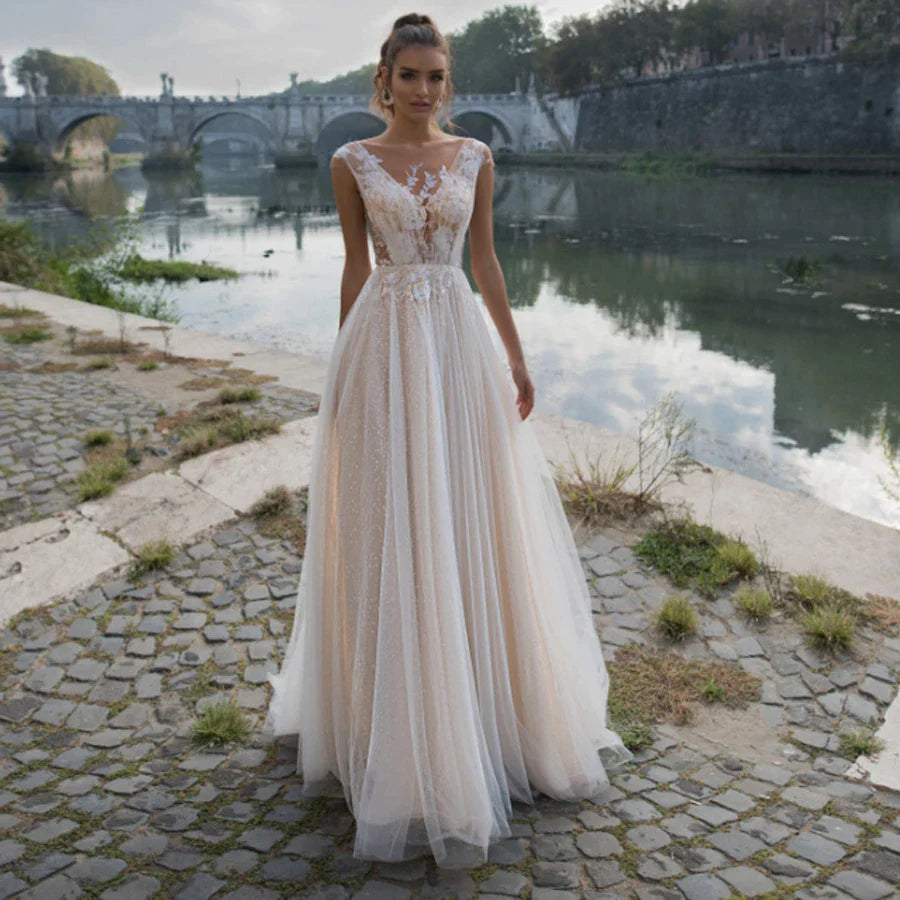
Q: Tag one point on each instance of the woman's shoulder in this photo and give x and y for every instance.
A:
(343, 150)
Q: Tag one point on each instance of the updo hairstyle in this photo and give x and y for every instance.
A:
(411, 29)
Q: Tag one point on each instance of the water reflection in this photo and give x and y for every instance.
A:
(623, 288)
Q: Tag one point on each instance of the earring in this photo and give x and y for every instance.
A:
(386, 97)
(439, 103)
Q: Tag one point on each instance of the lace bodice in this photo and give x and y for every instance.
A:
(417, 226)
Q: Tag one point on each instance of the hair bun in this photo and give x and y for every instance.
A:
(413, 19)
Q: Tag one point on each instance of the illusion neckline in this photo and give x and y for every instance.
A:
(444, 169)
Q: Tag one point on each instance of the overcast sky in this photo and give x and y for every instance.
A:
(205, 45)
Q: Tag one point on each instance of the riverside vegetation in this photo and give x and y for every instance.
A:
(660, 685)
(101, 269)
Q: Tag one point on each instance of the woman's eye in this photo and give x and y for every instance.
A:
(438, 77)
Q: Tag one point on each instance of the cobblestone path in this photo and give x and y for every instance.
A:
(44, 417)
(102, 793)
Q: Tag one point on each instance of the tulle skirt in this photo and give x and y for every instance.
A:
(443, 660)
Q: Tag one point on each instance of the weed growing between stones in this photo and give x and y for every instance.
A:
(151, 555)
(860, 742)
(829, 628)
(99, 437)
(219, 724)
(100, 477)
(274, 516)
(676, 618)
(755, 603)
(739, 557)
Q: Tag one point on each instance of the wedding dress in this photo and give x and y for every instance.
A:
(443, 659)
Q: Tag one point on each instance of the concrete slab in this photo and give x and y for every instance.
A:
(292, 370)
(239, 475)
(158, 506)
(799, 534)
(884, 769)
(52, 559)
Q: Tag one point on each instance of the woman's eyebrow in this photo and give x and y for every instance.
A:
(410, 69)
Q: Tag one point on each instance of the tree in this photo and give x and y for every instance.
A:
(709, 26)
(65, 74)
(490, 52)
(359, 81)
(71, 75)
(764, 18)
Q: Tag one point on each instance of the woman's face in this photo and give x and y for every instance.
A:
(418, 80)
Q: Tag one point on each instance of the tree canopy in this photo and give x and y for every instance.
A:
(70, 75)
(65, 74)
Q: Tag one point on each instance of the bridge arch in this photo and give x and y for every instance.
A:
(481, 122)
(65, 129)
(347, 125)
(264, 129)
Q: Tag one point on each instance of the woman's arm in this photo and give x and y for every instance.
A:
(489, 277)
(352, 213)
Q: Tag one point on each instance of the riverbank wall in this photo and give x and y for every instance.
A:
(825, 106)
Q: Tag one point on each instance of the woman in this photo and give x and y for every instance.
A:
(443, 659)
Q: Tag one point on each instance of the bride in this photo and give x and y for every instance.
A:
(443, 660)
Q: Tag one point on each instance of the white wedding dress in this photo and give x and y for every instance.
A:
(443, 659)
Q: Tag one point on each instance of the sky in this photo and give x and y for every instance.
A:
(206, 45)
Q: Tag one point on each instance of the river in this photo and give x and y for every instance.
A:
(624, 287)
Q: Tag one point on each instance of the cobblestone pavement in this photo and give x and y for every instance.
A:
(103, 794)
(44, 417)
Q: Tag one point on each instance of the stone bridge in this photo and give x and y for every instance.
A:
(293, 127)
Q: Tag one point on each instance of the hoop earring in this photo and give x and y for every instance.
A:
(386, 97)
(439, 103)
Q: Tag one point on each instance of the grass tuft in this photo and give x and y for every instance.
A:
(274, 516)
(829, 628)
(99, 478)
(239, 395)
(147, 365)
(220, 723)
(739, 557)
(274, 502)
(101, 362)
(151, 555)
(713, 692)
(99, 437)
(755, 603)
(676, 617)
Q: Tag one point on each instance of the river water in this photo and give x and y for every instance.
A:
(624, 288)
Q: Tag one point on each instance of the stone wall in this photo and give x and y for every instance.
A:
(814, 105)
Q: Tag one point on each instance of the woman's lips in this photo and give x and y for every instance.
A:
(421, 105)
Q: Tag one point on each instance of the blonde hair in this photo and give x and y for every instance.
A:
(409, 30)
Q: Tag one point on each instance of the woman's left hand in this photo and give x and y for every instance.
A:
(525, 400)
